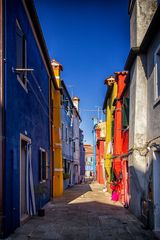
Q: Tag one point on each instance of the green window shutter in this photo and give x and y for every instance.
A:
(113, 176)
(125, 113)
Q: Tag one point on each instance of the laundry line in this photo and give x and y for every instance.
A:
(89, 110)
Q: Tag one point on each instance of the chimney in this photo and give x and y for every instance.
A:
(57, 68)
(76, 102)
(141, 13)
(109, 81)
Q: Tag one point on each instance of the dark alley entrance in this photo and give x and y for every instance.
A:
(84, 212)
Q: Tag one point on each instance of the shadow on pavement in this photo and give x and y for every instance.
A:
(84, 212)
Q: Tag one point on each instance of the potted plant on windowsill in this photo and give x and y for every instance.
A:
(40, 191)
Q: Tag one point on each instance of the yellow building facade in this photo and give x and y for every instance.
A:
(56, 144)
(108, 107)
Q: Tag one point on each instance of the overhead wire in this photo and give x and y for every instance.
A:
(39, 87)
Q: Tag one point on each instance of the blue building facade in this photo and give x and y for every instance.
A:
(89, 160)
(95, 121)
(82, 155)
(27, 73)
(67, 133)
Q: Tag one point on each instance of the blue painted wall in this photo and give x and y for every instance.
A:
(23, 112)
(89, 164)
(94, 146)
(66, 119)
(82, 154)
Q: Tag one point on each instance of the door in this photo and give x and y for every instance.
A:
(23, 179)
(156, 187)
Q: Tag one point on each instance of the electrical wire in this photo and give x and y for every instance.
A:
(38, 99)
(39, 87)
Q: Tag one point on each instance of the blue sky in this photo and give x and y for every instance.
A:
(90, 38)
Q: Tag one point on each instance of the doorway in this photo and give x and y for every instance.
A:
(156, 189)
(24, 143)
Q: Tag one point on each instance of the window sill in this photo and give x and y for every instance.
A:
(156, 102)
(23, 85)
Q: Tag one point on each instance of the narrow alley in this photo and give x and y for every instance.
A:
(84, 212)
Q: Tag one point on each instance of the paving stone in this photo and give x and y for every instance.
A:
(85, 212)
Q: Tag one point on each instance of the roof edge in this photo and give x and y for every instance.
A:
(131, 57)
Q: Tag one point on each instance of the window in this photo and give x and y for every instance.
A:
(62, 98)
(157, 73)
(66, 166)
(21, 55)
(66, 104)
(125, 113)
(43, 165)
(66, 135)
(74, 146)
(62, 126)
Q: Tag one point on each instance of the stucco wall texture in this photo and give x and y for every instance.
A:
(144, 114)
(24, 113)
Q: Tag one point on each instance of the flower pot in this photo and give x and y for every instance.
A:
(41, 212)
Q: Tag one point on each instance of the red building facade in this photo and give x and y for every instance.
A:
(120, 140)
(100, 143)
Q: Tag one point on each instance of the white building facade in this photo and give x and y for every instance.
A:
(143, 64)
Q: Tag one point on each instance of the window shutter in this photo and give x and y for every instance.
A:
(125, 113)
(19, 48)
(74, 147)
(66, 134)
(40, 165)
(47, 166)
(43, 165)
(21, 52)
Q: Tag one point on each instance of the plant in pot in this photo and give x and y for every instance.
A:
(40, 190)
(66, 176)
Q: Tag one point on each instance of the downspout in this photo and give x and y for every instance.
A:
(4, 106)
(2, 116)
(51, 137)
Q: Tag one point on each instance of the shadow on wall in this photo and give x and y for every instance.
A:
(141, 194)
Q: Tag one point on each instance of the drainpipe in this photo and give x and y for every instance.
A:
(2, 117)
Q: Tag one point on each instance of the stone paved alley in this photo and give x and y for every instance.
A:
(84, 212)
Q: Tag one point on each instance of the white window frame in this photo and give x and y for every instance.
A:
(156, 96)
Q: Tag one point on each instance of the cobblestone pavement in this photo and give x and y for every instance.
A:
(84, 212)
